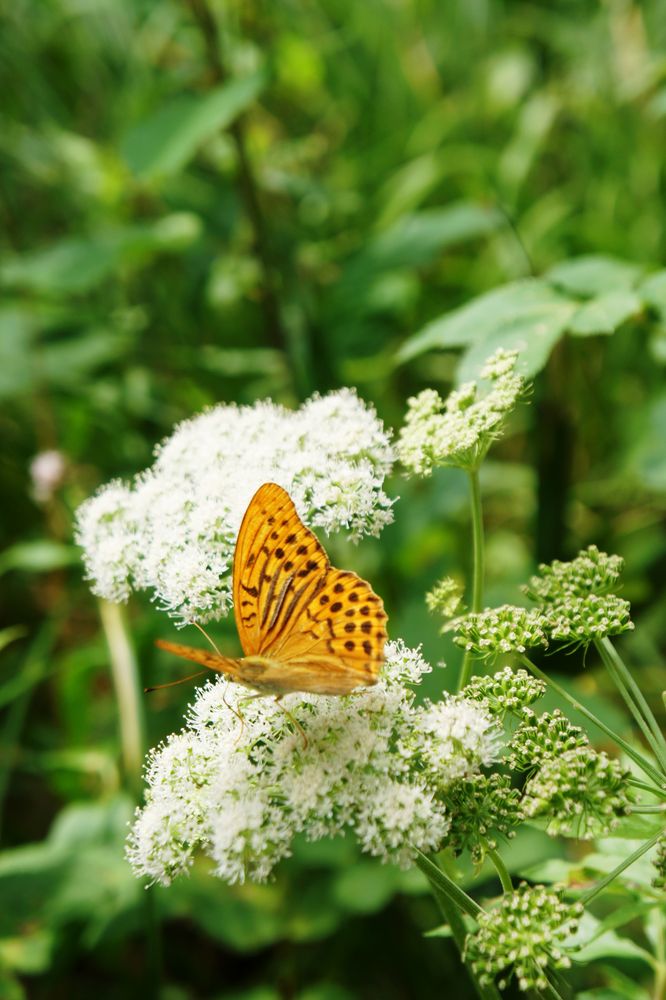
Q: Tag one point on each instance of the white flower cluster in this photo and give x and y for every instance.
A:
(374, 763)
(173, 530)
(458, 431)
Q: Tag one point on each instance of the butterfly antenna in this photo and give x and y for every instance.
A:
(170, 684)
(206, 636)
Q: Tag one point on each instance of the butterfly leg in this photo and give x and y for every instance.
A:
(293, 719)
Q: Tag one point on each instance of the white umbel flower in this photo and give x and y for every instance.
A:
(173, 530)
(458, 431)
(375, 763)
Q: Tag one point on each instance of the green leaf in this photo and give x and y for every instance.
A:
(653, 291)
(529, 313)
(11, 634)
(592, 275)
(39, 556)
(414, 240)
(365, 887)
(74, 266)
(605, 313)
(165, 142)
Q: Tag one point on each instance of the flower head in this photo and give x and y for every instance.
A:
(445, 597)
(505, 691)
(542, 738)
(374, 763)
(580, 793)
(591, 572)
(459, 431)
(173, 530)
(506, 629)
(580, 620)
(481, 809)
(522, 935)
(47, 472)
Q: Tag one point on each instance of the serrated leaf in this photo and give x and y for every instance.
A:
(593, 274)
(605, 313)
(163, 143)
(528, 310)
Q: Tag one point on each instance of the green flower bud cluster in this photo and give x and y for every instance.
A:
(543, 738)
(591, 572)
(482, 808)
(506, 691)
(580, 793)
(506, 629)
(522, 935)
(576, 605)
(445, 597)
(580, 620)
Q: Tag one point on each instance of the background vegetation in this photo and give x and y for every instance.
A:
(213, 201)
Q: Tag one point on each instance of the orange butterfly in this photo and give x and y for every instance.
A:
(303, 625)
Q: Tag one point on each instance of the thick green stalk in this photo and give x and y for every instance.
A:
(588, 896)
(125, 673)
(478, 566)
(502, 871)
(637, 757)
(451, 900)
(634, 698)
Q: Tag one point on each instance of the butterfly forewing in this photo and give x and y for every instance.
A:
(292, 606)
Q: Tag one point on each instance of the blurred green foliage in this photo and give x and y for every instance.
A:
(213, 200)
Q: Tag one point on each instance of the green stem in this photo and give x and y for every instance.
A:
(502, 871)
(647, 787)
(649, 808)
(478, 567)
(633, 696)
(588, 896)
(637, 757)
(125, 673)
(437, 877)
(451, 899)
(549, 992)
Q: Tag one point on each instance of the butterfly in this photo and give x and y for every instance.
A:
(303, 625)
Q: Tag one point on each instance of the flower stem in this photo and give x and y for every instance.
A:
(478, 567)
(588, 896)
(125, 675)
(637, 757)
(647, 787)
(502, 871)
(634, 698)
(451, 900)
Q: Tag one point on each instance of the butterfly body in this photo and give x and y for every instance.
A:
(303, 625)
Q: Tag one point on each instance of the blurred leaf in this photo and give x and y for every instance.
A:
(605, 313)
(527, 314)
(30, 953)
(39, 556)
(592, 275)
(415, 239)
(73, 266)
(653, 291)
(364, 888)
(164, 143)
(11, 634)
